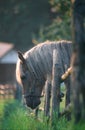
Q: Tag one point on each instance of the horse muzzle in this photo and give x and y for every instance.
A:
(32, 103)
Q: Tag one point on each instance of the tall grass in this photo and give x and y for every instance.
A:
(1, 107)
(17, 117)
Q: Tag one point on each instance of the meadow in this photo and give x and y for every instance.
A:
(15, 116)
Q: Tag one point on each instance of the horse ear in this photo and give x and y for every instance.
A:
(23, 61)
(21, 57)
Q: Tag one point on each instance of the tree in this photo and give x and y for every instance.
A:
(60, 27)
(78, 59)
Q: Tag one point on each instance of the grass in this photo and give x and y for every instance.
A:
(13, 116)
(1, 111)
(17, 117)
(1, 107)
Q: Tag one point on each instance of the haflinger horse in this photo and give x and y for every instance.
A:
(34, 68)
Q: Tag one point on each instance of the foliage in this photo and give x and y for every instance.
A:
(60, 28)
(61, 6)
(20, 18)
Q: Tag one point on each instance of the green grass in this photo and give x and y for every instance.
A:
(13, 116)
(1, 107)
(17, 117)
(1, 111)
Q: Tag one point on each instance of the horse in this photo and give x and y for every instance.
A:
(34, 69)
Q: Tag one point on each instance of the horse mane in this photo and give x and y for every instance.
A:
(40, 58)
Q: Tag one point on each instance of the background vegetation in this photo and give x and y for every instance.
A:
(60, 27)
(20, 18)
(26, 22)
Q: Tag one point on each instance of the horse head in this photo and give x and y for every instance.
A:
(31, 85)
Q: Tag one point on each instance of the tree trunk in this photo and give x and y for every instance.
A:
(78, 59)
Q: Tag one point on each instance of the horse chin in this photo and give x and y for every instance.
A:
(33, 104)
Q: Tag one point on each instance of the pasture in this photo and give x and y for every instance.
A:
(15, 116)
